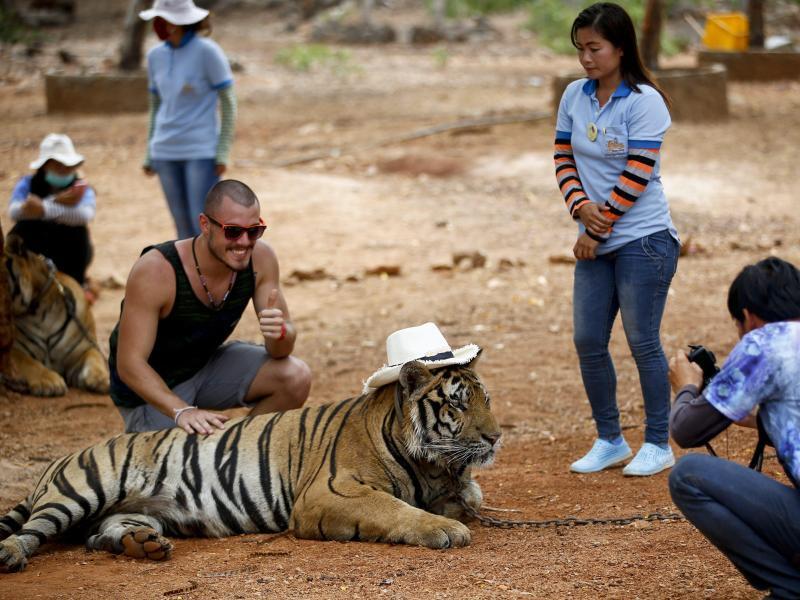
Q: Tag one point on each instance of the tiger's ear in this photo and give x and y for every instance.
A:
(414, 375)
(15, 245)
(474, 361)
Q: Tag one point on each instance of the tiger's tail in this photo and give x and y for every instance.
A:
(15, 518)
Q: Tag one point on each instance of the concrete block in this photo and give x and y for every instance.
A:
(755, 65)
(96, 93)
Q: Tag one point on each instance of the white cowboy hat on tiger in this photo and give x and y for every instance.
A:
(177, 12)
(424, 343)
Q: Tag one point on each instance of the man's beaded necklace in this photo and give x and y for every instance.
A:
(212, 303)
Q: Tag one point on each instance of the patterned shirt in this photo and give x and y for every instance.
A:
(763, 370)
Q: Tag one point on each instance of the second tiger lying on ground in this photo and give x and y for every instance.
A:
(391, 465)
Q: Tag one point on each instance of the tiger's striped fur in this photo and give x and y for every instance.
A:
(54, 338)
(392, 465)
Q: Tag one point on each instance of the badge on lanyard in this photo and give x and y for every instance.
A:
(591, 132)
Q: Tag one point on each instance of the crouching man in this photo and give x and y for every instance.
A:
(169, 364)
(753, 519)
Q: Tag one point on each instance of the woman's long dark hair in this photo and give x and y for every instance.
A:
(615, 25)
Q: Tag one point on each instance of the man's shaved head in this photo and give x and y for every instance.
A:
(229, 188)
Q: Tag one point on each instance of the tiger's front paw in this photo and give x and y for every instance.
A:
(93, 374)
(46, 383)
(439, 532)
(12, 555)
(145, 542)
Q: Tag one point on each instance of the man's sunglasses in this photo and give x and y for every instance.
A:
(234, 232)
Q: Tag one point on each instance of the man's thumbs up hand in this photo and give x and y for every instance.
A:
(270, 320)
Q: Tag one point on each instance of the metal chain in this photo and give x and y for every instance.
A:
(487, 521)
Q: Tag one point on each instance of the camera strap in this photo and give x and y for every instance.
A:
(763, 441)
(757, 460)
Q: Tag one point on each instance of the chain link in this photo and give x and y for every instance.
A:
(487, 521)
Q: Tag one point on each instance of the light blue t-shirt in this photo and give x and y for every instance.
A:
(628, 120)
(187, 79)
(764, 369)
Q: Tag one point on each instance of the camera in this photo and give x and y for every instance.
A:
(705, 359)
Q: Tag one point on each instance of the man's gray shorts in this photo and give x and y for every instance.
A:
(221, 384)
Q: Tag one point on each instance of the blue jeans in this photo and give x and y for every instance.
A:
(632, 280)
(185, 184)
(753, 519)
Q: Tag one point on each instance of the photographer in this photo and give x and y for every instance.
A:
(753, 519)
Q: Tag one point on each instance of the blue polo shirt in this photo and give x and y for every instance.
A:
(628, 120)
(187, 79)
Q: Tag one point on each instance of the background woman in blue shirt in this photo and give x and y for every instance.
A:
(609, 132)
(188, 76)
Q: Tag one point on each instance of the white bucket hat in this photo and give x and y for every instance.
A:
(58, 147)
(177, 12)
(424, 343)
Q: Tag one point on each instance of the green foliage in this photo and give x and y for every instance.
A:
(13, 31)
(456, 9)
(551, 20)
(440, 57)
(672, 45)
(307, 57)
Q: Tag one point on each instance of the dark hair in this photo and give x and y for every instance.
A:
(615, 25)
(229, 188)
(769, 289)
(203, 27)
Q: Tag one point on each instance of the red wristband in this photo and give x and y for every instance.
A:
(283, 332)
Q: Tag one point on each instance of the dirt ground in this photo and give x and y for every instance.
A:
(415, 205)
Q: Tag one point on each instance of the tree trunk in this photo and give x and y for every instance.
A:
(651, 34)
(366, 11)
(130, 50)
(6, 320)
(755, 15)
(439, 13)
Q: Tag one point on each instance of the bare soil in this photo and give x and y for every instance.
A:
(414, 205)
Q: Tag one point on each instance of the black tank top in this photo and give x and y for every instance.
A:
(189, 335)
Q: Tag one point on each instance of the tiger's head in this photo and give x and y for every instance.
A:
(29, 275)
(448, 417)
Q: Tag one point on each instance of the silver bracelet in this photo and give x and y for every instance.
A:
(178, 411)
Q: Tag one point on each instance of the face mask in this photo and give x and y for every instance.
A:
(58, 181)
(160, 27)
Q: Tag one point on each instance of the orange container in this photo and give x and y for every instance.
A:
(727, 31)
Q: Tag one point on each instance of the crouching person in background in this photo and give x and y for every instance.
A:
(753, 519)
(52, 208)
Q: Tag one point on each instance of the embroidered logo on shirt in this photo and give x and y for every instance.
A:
(614, 146)
(187, 88)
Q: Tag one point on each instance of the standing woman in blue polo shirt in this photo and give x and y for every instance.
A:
(609, 132)
(188, 76)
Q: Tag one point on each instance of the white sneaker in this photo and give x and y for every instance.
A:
(602, 455)
(649, 460)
